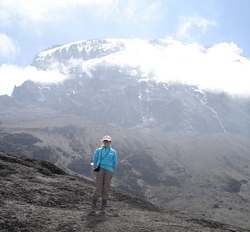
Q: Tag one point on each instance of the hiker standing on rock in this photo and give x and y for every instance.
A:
(105, 160)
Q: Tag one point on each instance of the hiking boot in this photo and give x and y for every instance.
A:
(93, 207)
(103, 209)
(93, 210)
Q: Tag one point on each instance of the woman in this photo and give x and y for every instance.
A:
(104, 157)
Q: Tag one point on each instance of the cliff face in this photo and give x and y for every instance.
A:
(38, 196)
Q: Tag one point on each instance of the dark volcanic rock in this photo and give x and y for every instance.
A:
(233, 186)
(7, 101)
(38, 196)
(171, 108)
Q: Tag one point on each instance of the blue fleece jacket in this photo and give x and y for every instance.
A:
(106, 157)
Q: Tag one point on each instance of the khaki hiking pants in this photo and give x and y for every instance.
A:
(102, 184)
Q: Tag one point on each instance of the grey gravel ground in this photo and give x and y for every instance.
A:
(38, 196)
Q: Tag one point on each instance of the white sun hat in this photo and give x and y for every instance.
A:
(106, 137)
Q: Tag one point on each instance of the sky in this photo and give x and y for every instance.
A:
(28, 27)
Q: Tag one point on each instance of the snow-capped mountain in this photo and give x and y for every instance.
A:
(131, 83)
(166, 61)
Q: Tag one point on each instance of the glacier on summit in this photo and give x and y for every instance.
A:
(217, 68)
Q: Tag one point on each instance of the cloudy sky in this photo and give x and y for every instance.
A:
(28, 27)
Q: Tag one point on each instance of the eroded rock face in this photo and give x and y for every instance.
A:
(129, 103)
(38, 196)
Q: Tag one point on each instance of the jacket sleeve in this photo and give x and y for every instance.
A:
(95, 157)
(115, 161)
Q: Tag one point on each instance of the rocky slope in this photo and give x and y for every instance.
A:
(204, 175)
(38, 196)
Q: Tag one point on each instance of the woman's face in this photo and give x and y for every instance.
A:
(106, 143)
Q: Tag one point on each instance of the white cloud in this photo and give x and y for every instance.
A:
(8, 47)
(139, 9)
(11, 76)
(218, 68)
(5, 18)
(43, 10)
(25, 12)
(189, 28)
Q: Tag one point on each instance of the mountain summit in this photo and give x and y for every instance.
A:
(121, 81)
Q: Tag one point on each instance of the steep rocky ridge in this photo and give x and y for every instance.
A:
(38, 196)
